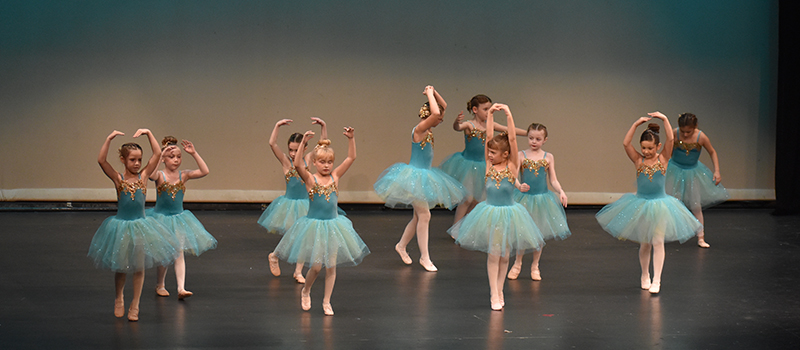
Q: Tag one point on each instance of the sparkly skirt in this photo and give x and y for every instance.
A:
(402, 184)
(329, 243)
(498, 230)
(132, 245)
(469, 172)
(189, 234)
(637, 219)
(694, 186)
(547, 212)
(282, 213)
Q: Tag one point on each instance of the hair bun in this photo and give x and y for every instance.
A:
(168, 141)
(653, 127)
(324, 143)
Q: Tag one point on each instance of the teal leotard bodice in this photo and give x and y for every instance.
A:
(500, 187)
(650, 181)
(534, 173)
(421, 152)
(130, 199)
(323, 201)
(474, 145)
(685, 154)
(295, 187)
(170, 197)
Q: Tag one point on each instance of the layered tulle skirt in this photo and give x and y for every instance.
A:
(282, 213)
(402, 184)
(132, 245)
(663, 219)
(329, 243)
(498, 230)
(189, 234)
(547, 212)
(469, 172)
(694, 186)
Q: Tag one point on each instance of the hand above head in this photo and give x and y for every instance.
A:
(349, 132)
(316, 120)
(428, 90)
(115, 133)
(141, 132)
(188, 146)
(308, 135)
(167, 151)
(658, 115)
(643, 120)
(283, 122)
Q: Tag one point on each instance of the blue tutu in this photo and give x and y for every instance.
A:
(694, 186)
(468, 172)
(547, 212)
(190, 235)
(282, 213)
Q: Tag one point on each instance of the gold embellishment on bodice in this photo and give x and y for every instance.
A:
(292, 173)
(131, 187)
(476, 133)
(498, 176)
(535, 165)
(323, 190)
(172, 189)
(650, 170)
(687, 146)
(428, 139)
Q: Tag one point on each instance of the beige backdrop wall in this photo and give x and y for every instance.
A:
(222, 73)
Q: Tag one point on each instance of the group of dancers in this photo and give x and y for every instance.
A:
(503, 204)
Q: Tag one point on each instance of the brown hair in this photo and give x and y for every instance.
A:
(168, 141)
(322, 149)
(651, 134)
(500, 142)
(425, 110)
(477, 100)
(126, 149)
(687, 119)
(538, 127)
(296, 137)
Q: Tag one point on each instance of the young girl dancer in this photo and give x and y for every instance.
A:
(129, 241)
(417, 184)
(323, 237)
(649, 217)
(545, 206)
(689, 180)
(285, 210)
(498, 226)
(189, 233)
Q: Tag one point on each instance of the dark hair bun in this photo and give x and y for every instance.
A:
(169, 140)
(653, 127)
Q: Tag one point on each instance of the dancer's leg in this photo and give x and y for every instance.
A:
(536, 275)
(305, 293)
(658, 266)
(517, 267)
(644, 261)
(423, 215)
(330, 281)
(408, 234)
(701, 236)
(492, 270)
(119, 301)
(298, 273)
(501, 278)
(161, 286)
(180, 276)
(138, 284)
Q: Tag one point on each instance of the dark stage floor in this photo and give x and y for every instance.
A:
(741, 293)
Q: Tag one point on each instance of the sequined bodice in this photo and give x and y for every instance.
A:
(650, 180)
(295, 187)
(130, 199)
(686, 154)
(474, 144)
(534, 173)
(323, 201)
(500, 187)
(422, 152)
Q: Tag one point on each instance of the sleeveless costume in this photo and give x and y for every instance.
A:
(402, 184)
(130, 241)
(498, 225)
(650, 215)
(469, 166)
(543, 205)
(691, 181)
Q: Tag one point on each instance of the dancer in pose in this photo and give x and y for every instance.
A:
(129, 242)
(499, 226)
(417, 184)
(286, 209)
(323, 238)
(649, 217)
(689, 180)
(188, 232)
(545, 206)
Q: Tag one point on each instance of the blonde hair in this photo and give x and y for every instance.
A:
(500, 143)
(322, 150)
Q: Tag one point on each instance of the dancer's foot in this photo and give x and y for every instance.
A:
(502, 300)
(305, 301)
(274, 266)
(702, 243)
(299, 278)
(327, 309)
(496, 305)
(646, 282)
(133, 314)
(183, 294)
(403, 254)
(655, 287)
(119, 307)
(514, 272)
(161, 291)
(428, 265)
(536, 275)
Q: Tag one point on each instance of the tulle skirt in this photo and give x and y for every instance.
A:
(329, 243)
(641, 220)
(498, 230)
(190, 235)
(547, 213)
(132, 245)
(402, 184)
(694, 186)
(470, 173)
(282, 213)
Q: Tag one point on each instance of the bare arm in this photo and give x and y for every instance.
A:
(705, 142)
(503, 128)
(551, 172)
(273, 144)
(201, 164)
(103, 161)
(323, 134)
(513, 154)
(152, 164)
(666, 153)
(298, 160)
(459, 124)
(429, 122)
(634, 156)
(351, 153)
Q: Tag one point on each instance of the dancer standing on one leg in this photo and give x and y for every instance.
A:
(129, 242)
(498, 226)
(323, 238)
(545, 206)
(189, 233)
(418, 185)
(688, 179)
(281, 214)
(649, 217)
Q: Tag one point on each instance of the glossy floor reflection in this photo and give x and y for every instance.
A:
(741, 293)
